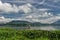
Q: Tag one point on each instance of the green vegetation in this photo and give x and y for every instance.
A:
(13, 34)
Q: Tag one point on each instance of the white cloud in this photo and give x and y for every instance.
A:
(7, 7)
(41, 17)
(28, 1)
(26, 8)
(44, 9)
(32, 14)
(43, 1)
(35, 18)
(4, 20)
(50, 5)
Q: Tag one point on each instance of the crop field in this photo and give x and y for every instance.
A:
(13, 34)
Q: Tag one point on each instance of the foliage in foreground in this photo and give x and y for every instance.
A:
(12, 34)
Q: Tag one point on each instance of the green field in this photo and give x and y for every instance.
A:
(13, 34)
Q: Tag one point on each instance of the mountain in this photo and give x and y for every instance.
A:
(18, 22)
(26, 23)
(57, 22)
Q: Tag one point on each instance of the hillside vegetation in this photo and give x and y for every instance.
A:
(13, 34)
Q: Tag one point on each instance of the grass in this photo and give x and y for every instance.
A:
(13, 34)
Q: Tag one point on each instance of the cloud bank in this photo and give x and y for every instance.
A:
(31, 13)
(7, 7)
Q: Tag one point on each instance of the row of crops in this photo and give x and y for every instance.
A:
(12, 34)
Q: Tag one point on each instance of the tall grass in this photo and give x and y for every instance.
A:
(13, 34)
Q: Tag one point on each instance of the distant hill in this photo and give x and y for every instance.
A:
(26, 23)
(18, 23)
(57, 22)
